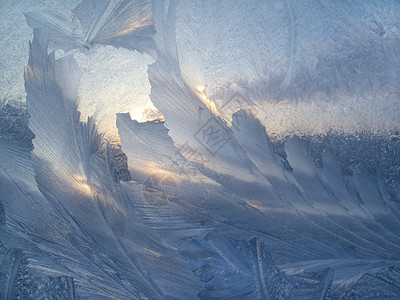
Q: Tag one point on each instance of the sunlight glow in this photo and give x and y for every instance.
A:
(146, 113)
(152, 252)
(202, 94)
(82, 185)
(256, 205)
(134, 26)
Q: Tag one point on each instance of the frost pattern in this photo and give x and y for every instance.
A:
(213, 205)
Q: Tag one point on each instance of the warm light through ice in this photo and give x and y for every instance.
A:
(82, 185)
(146, 114)
(202, 94)
(134, 26)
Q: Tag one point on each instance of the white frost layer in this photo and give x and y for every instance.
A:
(375, 114)
(274, 50)
(338, 61)
(14, 42)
